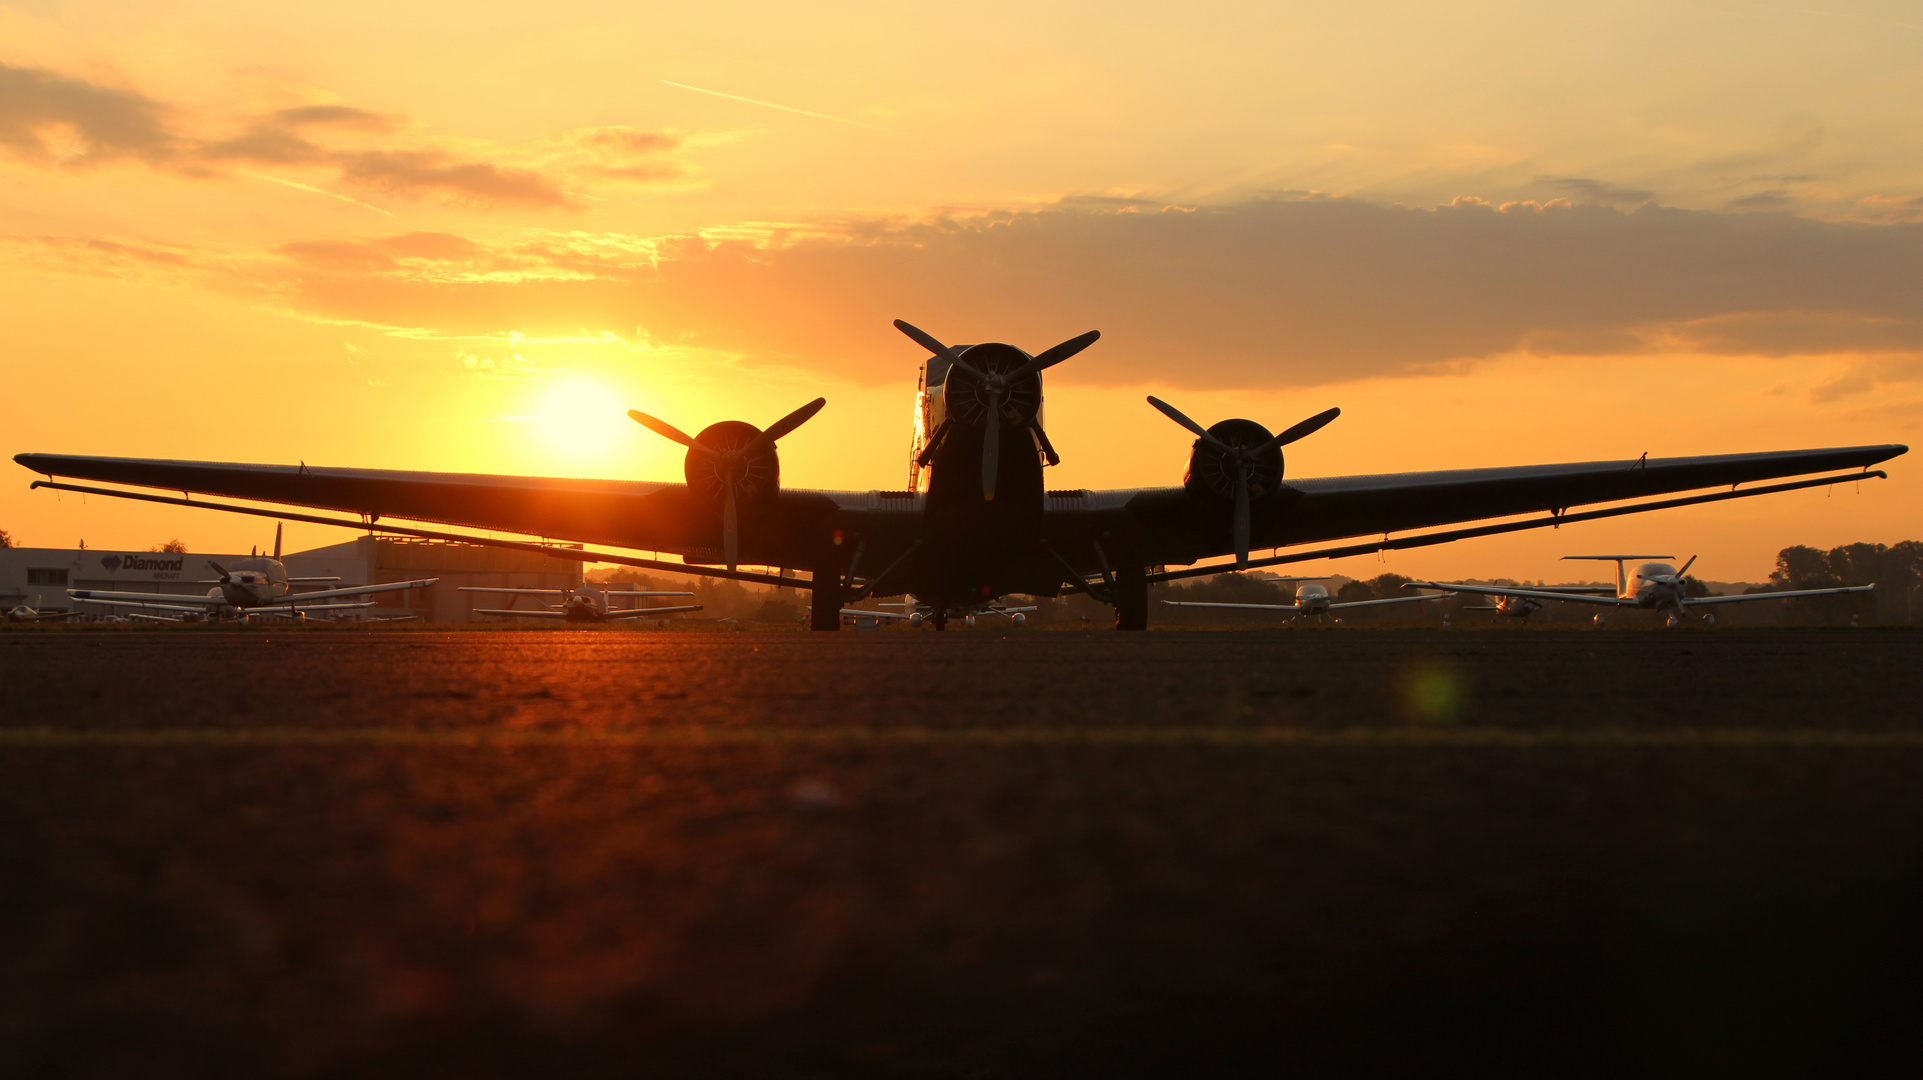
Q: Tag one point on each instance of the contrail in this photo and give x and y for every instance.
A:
(783, 108)
(318, 191)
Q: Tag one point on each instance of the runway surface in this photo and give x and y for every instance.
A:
(477, 854)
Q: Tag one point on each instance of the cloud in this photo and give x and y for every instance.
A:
(410, 172)
(1585, 189)
(343, 116)
(52, 119)
(1261, 293)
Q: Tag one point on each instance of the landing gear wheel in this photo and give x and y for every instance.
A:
(941, 619)
(1709, 621)
(1131, 598)
(1672, 622)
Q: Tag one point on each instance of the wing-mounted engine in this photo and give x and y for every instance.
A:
(732, 466)
(1238, 462)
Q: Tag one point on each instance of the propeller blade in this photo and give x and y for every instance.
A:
(1306, 428)
(1056, 355)
(1242, 519)
(1686, 566)
(922, 338)
(221, 570)
(786, 424)
(1175, 414)
(730, 530)
(991, 449)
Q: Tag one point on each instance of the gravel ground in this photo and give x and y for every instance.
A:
(478, 854)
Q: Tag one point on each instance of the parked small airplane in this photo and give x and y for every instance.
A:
(916, 612)
(585, 604)
(1311, 601)
(1656, 586)
(258, 585)
(23, 613)
(1521, 607)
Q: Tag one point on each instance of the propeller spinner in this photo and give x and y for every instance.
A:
(1239, 459)
(999, 390)
(734, 463)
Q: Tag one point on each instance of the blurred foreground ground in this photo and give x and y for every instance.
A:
(285, 853)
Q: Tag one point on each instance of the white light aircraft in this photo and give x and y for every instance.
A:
(585, 604)
(257, 586)
(1311, 601)
(1656, 586)
(916, 613)
(23, 613)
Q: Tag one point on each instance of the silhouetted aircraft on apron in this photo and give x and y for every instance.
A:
(976, 521)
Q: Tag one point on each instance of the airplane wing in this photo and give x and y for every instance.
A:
(1539, 594)
(624, 513)
(144, 605)
(45, 616)
(1156, 526)
(1390, 600)
(1738, 598)
(1244, 607)
(648, 594)
(290, 608)
(358, 590)
(648, 613)
(1181, 530)
(528, 614)
(170, 601)
(528, 592)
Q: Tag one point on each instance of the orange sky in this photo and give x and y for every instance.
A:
(430, 236)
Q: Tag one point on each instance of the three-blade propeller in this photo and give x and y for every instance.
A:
(1242, 460)
(995, 391)
(731, 465)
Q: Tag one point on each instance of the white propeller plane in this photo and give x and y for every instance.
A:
(257, 586)
(1656, 586)
(585, 604)
(23, 613)
(916, 612)
(1311, 601)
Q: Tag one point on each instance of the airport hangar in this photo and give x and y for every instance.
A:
(40, 577)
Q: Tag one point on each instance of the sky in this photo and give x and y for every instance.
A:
(471, 236)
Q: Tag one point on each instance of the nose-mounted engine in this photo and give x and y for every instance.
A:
(732, 465)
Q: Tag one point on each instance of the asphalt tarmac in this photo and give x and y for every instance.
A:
(321, 853)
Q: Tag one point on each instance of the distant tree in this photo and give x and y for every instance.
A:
(171, 547)
(1802, 567)
(1693, 587)
(6, 539)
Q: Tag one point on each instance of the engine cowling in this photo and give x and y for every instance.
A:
(758, 476)
(1214, 473)
(966, 400)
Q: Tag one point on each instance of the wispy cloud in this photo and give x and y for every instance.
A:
(783, 108)
(55, 120)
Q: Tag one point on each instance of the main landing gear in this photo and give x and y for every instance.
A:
(1131, 598)
(941, 619)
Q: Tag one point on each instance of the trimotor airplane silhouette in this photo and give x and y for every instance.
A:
(1311, 602)
(985, 526)
(584, 604)
(257, 585)
(1656, 586)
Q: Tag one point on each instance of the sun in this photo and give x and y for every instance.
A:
(582, 420)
